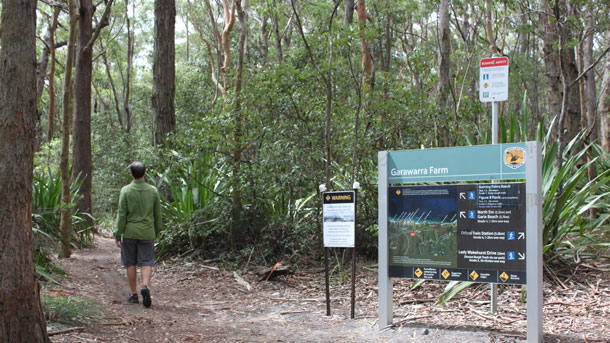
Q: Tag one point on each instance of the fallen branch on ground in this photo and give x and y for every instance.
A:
(60, 332)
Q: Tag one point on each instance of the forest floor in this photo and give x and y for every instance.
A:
(193, 301)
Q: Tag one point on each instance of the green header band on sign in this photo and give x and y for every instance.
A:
(469, 163)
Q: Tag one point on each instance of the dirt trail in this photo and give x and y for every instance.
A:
(198, 303)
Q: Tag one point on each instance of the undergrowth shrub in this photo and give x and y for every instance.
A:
(46, 207)
(71, 311)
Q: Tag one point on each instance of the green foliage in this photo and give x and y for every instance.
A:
(188, 208)
(46, 207)
(452, 289)
(568, 194)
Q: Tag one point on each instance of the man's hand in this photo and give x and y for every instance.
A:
(118, 244)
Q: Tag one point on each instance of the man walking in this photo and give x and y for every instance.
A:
(138, 224)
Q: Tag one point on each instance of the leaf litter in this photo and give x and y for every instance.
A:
(199, 302)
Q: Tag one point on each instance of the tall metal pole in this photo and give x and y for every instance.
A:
(494, 140)
(353, 312)
(327, 281)
(322, 189)
(385, 285)
(533, 191)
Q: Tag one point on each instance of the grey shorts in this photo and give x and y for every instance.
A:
(137, 252)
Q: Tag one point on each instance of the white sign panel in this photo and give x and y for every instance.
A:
(339, 214)
(493, 79)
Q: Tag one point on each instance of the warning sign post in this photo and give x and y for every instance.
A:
(493, 79)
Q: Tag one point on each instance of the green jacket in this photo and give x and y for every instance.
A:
(139, 214)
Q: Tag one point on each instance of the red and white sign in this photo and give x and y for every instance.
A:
(493, 79)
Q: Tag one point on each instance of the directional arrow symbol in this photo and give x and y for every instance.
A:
(521, 256)
(463, 196)
(521, 235)
(462, 214)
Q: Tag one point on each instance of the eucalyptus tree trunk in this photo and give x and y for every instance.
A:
(590, 93)
(51, 43)
(570, 120)
(551, 62)
(238, 118)
(65, 221)
(590, 90)
(265, 40)
(82, 166)
(604, 102)
(349, 12)
(21, 317)
(278, 38)
(164, 71)
(366, 86)
(127, 81)
(47, 49)
(366, 54)
(444, 69)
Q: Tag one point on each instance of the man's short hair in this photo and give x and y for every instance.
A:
(138, 169)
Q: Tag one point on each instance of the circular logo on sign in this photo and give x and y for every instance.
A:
(514, 157)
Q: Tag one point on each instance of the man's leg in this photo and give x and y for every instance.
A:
(132, 278)
(146, 258)
(129, 260)
(146, 275)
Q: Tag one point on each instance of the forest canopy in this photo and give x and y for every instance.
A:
(271, 98)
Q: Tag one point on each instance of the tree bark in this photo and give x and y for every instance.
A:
(127, 81)
(51, 42)
(366, 52)
(21, 317)
(65, 221)
(349, 12)
(164, 71)
(265, 40)
(82, 165)
(590, 93)
(278, 39)
(590, 87)
(238, 118)
(551, 62)
(604, 102)
(569, 70)
(47, 49)
(444, 69)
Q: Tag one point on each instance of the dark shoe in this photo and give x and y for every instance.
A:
(145, 296)
(133, 299)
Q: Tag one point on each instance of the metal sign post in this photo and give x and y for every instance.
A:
(493, 83)
(339, 224)
(322, 189)
(356, 186)
(493, 290)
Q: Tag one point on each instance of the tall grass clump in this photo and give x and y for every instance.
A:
(190, 194)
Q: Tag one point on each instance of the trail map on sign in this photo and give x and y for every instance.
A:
(458, 232)
(423, 226)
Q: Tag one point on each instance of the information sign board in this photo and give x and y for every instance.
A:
(477, 229)
(493, 79)
(458, 232)
(339, 213)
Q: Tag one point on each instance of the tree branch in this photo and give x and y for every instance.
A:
(98, 28)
